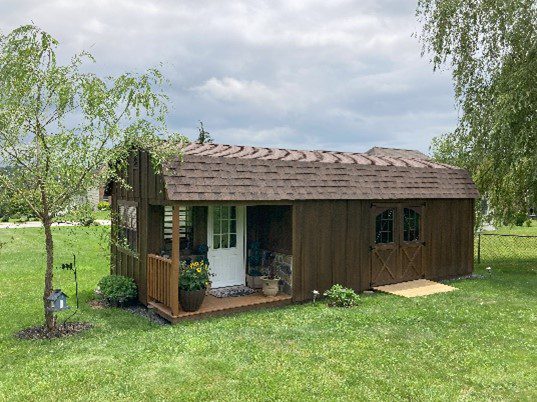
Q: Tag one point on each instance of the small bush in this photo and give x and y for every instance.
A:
(338, 296)
(103, 206)
(4, 218)
(528, 223)
(520, 218)
(118, 289)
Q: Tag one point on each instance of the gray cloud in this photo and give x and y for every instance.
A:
(308, 74)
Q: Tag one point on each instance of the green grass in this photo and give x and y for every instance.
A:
(517, 230)
(102, 215)
(477, 343)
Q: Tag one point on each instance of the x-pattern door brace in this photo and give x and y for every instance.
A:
(411, 261)
(384, 264)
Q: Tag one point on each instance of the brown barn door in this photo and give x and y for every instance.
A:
(411, 244)
(397, 246)
(385, 267)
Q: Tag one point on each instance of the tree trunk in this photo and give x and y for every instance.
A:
(49, 273)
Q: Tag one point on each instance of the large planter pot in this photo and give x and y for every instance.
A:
(270, 286)
(191, 300)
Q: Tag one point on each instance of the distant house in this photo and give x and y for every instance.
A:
(357, 219)
(397, 153)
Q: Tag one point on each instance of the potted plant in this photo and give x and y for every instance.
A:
(271, 282)
(193, 282)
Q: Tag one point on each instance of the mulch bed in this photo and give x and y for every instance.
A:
(41, 332)
(137, 309)
(145, 312)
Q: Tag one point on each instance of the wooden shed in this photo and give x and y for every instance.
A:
(322, 217)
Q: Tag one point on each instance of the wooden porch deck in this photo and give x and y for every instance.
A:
(214, 306)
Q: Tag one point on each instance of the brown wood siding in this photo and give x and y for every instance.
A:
(449, 233)
(331, 241)
(143, 186)
(199, 224)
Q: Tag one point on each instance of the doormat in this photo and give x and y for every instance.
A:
(231, 291)
(420, 287)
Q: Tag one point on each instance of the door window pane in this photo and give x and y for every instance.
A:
(233, 226)
(216, 241)
(225, 226)
(411, 225)
(384, 225)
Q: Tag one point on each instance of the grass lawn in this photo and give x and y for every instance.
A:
(477, 343)
(102, 215)
(517, 230)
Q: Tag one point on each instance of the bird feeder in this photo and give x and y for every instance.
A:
(57, 301)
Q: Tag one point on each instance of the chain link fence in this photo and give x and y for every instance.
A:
(505, 248)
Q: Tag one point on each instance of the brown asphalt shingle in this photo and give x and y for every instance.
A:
(216, 172)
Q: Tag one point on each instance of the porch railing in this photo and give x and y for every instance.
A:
(163, 282)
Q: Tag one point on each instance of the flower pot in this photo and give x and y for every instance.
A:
(270, 286)
(191, 300)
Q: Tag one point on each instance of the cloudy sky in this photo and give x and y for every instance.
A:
(338, 74)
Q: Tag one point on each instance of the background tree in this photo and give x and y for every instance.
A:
(491, 47)
(203, 136)
(60, 126)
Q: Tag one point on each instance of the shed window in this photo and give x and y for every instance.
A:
(224, 227)
(128, 227)
(186, 229)
(384, 226)
(411, 225)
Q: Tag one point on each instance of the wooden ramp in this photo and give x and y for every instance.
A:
(420, 287)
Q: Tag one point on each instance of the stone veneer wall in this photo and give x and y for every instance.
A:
(284, 268)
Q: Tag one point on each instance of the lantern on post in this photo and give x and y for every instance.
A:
(57, 301)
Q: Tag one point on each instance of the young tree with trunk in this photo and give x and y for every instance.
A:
(491, 48)
(63, 131)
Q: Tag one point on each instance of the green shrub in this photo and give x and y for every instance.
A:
(528, 223)
(338, 296)
(520, 218)
(103, 206)
(4, 218)
(118, 289)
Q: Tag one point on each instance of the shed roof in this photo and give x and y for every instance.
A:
(397, 153)
(217, 172)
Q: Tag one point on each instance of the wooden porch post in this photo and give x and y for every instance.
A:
(174, 277)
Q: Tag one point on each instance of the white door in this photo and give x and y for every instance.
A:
(225, 232)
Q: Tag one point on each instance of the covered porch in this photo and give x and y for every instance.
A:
(239, 242)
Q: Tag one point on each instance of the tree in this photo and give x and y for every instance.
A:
(491, 47)
(203, 136)
(60, 126)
